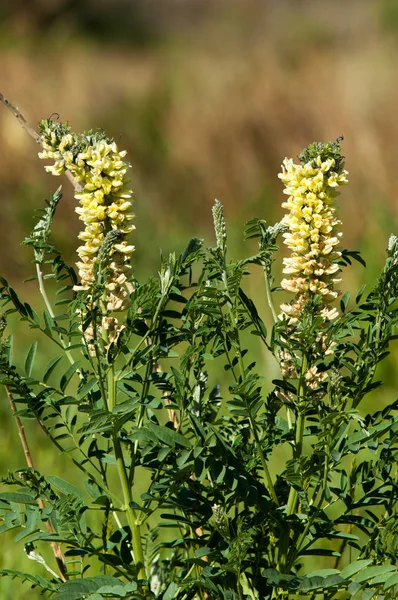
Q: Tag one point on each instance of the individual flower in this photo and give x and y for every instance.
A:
(104, 196)
(286, 364)
(313, 378)
(312, 228)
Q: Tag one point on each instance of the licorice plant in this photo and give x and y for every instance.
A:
(195, 473)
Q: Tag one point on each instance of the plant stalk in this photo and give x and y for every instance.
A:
(269, 296)
(268, 479)
(47, 302)
(56, 548)
(123, 477)
(130, 513)
(300, 426)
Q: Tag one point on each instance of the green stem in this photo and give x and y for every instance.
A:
(267, 474)
(123, 477)
(145, 337)
(47, 302)
(298, 545)
(269, 295)
(130, 513)
(124, 482)
(293, 495)
(268, 479)
(146, 385)
(300, 426)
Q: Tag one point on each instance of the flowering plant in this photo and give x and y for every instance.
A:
(196, 476)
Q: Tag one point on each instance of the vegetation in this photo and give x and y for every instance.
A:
(157, 396)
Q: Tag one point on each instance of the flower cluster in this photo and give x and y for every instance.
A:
(286, 364)
(99, 168)
(314, 378)
(312, 233)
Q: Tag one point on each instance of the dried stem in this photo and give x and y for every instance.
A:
(32, 132)
(58, 554)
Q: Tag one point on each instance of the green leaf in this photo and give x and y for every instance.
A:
(360, 293)
(86, 388)
(368, 594)
(17, 497)
(311, 583)
(393, 580)
(168, 436)
(203, 552)
(17, 303)
(64, 486)
(354, 567)
(32, 524)
(120, 589)
(69, 595)
(35, 580)
(285, 385)
(66, 377)
(49, 537)
(171, 592)
(48, 322)
(344, 301)
(323, 573)
(30, 359)
(320, 552)
(51, 366)
(372, 572)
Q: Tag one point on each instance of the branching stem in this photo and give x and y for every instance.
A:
(268, 479)
(122, 471)
(58, 554)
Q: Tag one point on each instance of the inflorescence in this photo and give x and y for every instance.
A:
(99, 168)
(312, 234)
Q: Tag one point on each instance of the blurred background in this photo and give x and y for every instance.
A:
(208, 97)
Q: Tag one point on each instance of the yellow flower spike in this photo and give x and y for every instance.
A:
(311, 187)
(104, 202)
